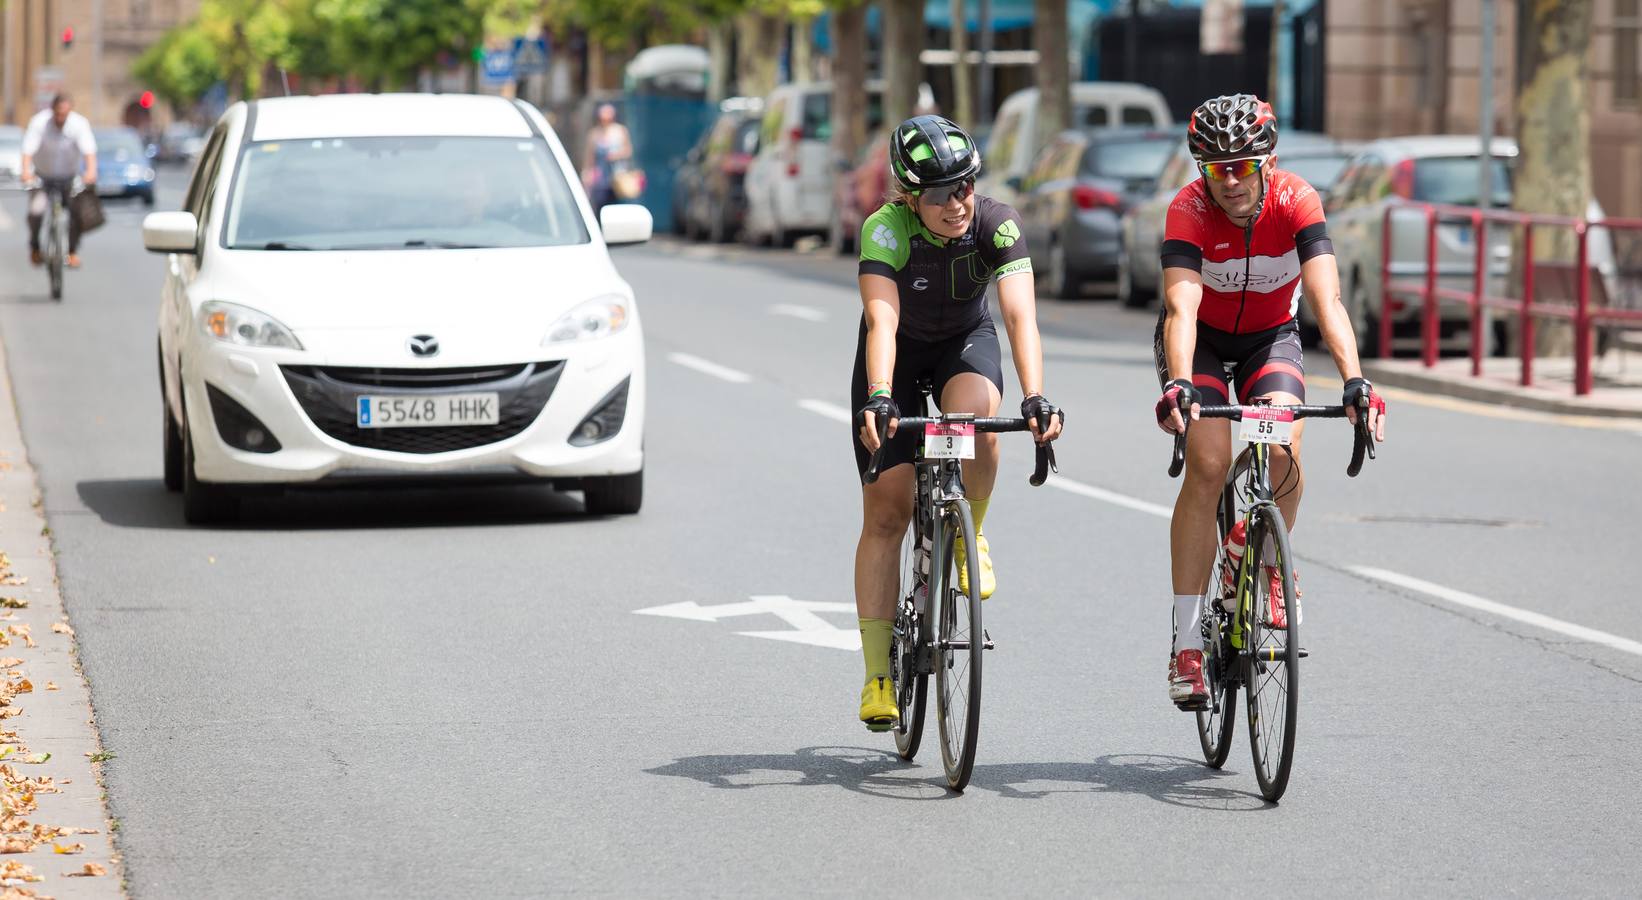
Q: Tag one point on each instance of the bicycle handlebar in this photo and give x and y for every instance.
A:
(1045, 452)
(1363, 443)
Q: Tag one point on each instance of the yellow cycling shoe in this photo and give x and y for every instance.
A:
(989, 581)
(878, 708)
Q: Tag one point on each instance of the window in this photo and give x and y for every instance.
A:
(1138, 115)
(1627, 53)
(1002, 148)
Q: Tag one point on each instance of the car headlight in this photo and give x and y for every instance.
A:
(235, 324)
(597, 318)
(133, 171)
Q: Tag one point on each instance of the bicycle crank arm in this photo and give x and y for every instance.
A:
(986, 644)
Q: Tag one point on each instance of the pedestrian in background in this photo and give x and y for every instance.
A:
(608, 146)
(58, 140)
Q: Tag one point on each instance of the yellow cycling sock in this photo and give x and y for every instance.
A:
(876, 636)
(978, 508)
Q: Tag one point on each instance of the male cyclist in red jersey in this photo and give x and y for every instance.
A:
(1241, 246)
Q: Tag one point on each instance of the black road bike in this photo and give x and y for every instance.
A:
(938, 629)
(1250, 644)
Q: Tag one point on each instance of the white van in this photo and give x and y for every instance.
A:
(1014, 142)
(790, 181)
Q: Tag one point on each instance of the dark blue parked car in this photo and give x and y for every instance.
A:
(124, 168)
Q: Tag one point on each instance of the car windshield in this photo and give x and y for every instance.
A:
(118, 146)
(1453, 180)
(817, 125)
(1319, 171)
(1128, 159)
(383, 193)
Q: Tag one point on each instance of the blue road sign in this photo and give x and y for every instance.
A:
(497, 67)
(529, 57)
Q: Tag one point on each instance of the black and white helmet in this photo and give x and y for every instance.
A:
(1231, 127)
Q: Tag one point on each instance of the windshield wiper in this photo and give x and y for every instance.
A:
(443, 245)
(279, 245)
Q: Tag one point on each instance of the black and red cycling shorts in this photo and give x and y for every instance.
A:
(1260, 363)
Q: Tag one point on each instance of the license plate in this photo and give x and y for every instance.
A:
(949, 441)
(401, 411)
(1267, 426)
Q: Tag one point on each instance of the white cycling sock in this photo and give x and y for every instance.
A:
(1188, 611)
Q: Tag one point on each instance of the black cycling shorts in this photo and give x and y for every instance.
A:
(1261, 362)
(973, 351)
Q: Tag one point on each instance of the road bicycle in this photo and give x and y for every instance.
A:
(56, 243)
(938, 629)
(1251, 629)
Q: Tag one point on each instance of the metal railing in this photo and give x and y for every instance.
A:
(1529, 306)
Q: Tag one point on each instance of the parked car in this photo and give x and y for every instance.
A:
(1013, 145)
(1432, 169)
(11, 157)
(715, 202)
(790, 180)
(861, 187)
(1073, 199)
(1317, 158)
(123, 166)
(180, 142)
(414, 335)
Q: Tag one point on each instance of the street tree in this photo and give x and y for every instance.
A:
(180, 67)
(1049, 35)
(849, 76)
(902, 45)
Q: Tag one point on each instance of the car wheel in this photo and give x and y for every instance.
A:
(204, 503)
(148, 199)
(173, 454)
(1061, 282)
(614, 495)
(1365, 323)
(718, 231)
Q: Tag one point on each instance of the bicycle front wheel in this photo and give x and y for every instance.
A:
(54, 263)
(910, 651)
(959, 643)
(1271, 669)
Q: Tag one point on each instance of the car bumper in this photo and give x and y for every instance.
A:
(1094, 242)
(115, 188)
(317, 444)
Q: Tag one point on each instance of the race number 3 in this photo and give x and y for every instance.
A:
(949, 440)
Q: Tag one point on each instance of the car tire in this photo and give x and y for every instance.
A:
(1061, 282)
(148, 199)
(173, 454)
(204, 503)
(719, 230)
(614, 495)
(1129, 294)
(1365, 323)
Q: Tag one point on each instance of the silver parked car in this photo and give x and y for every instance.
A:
(1424, 169)
(1317, 158)
(11, 157)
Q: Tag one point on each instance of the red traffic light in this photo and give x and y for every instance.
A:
(146, 100)
(68, 35)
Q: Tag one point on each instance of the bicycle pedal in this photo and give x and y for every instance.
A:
(986, 641)
(878, 726)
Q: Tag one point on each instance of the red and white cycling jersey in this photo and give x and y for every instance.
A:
(1251, 277)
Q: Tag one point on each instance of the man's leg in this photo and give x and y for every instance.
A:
(39, 203)
(1193, 537)
(73, 219)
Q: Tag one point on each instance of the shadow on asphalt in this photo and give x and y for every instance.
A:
(145, 503)
(1175, 780)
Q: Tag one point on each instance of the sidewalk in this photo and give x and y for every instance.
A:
(1617, 389)
(52, 818)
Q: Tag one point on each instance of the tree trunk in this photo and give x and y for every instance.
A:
(903, 42)
(803, 51)
(963, 77)
(758, 53)
(719, 39)
(1049, 35)
(849, 76)
(1553, 173)
(1274, 65)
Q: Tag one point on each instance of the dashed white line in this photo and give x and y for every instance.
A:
(807, 313)
(1472, 601)
(1112, 497)
(709, 367)
(828, 410)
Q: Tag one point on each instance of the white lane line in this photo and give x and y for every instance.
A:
(827, 410)
(710, 368)
(807, 313)
(1472, 601)
(1112, 497)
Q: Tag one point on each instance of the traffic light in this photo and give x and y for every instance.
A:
(146, 100)
(68, 36)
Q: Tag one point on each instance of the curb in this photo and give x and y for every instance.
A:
(1466, 388)
(54, 717)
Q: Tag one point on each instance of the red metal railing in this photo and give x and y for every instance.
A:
(1526, 307)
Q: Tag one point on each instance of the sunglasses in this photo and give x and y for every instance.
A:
(1241, 168)
(941, 196)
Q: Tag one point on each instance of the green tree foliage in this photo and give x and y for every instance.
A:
(180, 67)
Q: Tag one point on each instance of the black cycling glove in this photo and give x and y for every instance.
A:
(884, 408)
(1037, 407)
(1359, 390)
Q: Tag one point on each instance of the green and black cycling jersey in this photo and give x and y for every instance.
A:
(943, 282)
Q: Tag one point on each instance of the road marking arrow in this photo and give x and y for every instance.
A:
(807, 627)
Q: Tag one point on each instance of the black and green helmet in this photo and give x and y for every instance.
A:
(932, 151)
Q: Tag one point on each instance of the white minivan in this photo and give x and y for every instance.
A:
(1014, 142)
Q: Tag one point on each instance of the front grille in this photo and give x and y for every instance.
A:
(329, 394)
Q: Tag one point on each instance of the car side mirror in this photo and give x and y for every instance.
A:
(171, 232)
(625, 223)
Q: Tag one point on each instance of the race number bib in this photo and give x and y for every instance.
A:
(949, 441)
(1264, 425)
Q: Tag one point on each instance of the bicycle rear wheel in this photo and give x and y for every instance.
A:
(1271, 670)
(958, 647)
(909, 652)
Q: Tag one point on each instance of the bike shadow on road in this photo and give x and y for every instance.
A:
(145, 503)
(1174, 780)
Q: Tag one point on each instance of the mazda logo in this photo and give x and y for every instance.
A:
(423, 345)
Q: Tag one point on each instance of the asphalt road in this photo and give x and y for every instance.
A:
(448, 693)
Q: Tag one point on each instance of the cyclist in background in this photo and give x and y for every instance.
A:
(927, 257)
(57, 142)
(1241, 245)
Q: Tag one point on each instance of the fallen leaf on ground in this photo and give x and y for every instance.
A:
(52, 686)
(10, 662)
(16, 845)
(13, 602)
(91, 870)
(12, 869)
(37, 758)
(60, 628)
(22, 631)
(71, 848)
(23, 687)
(21, 893)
